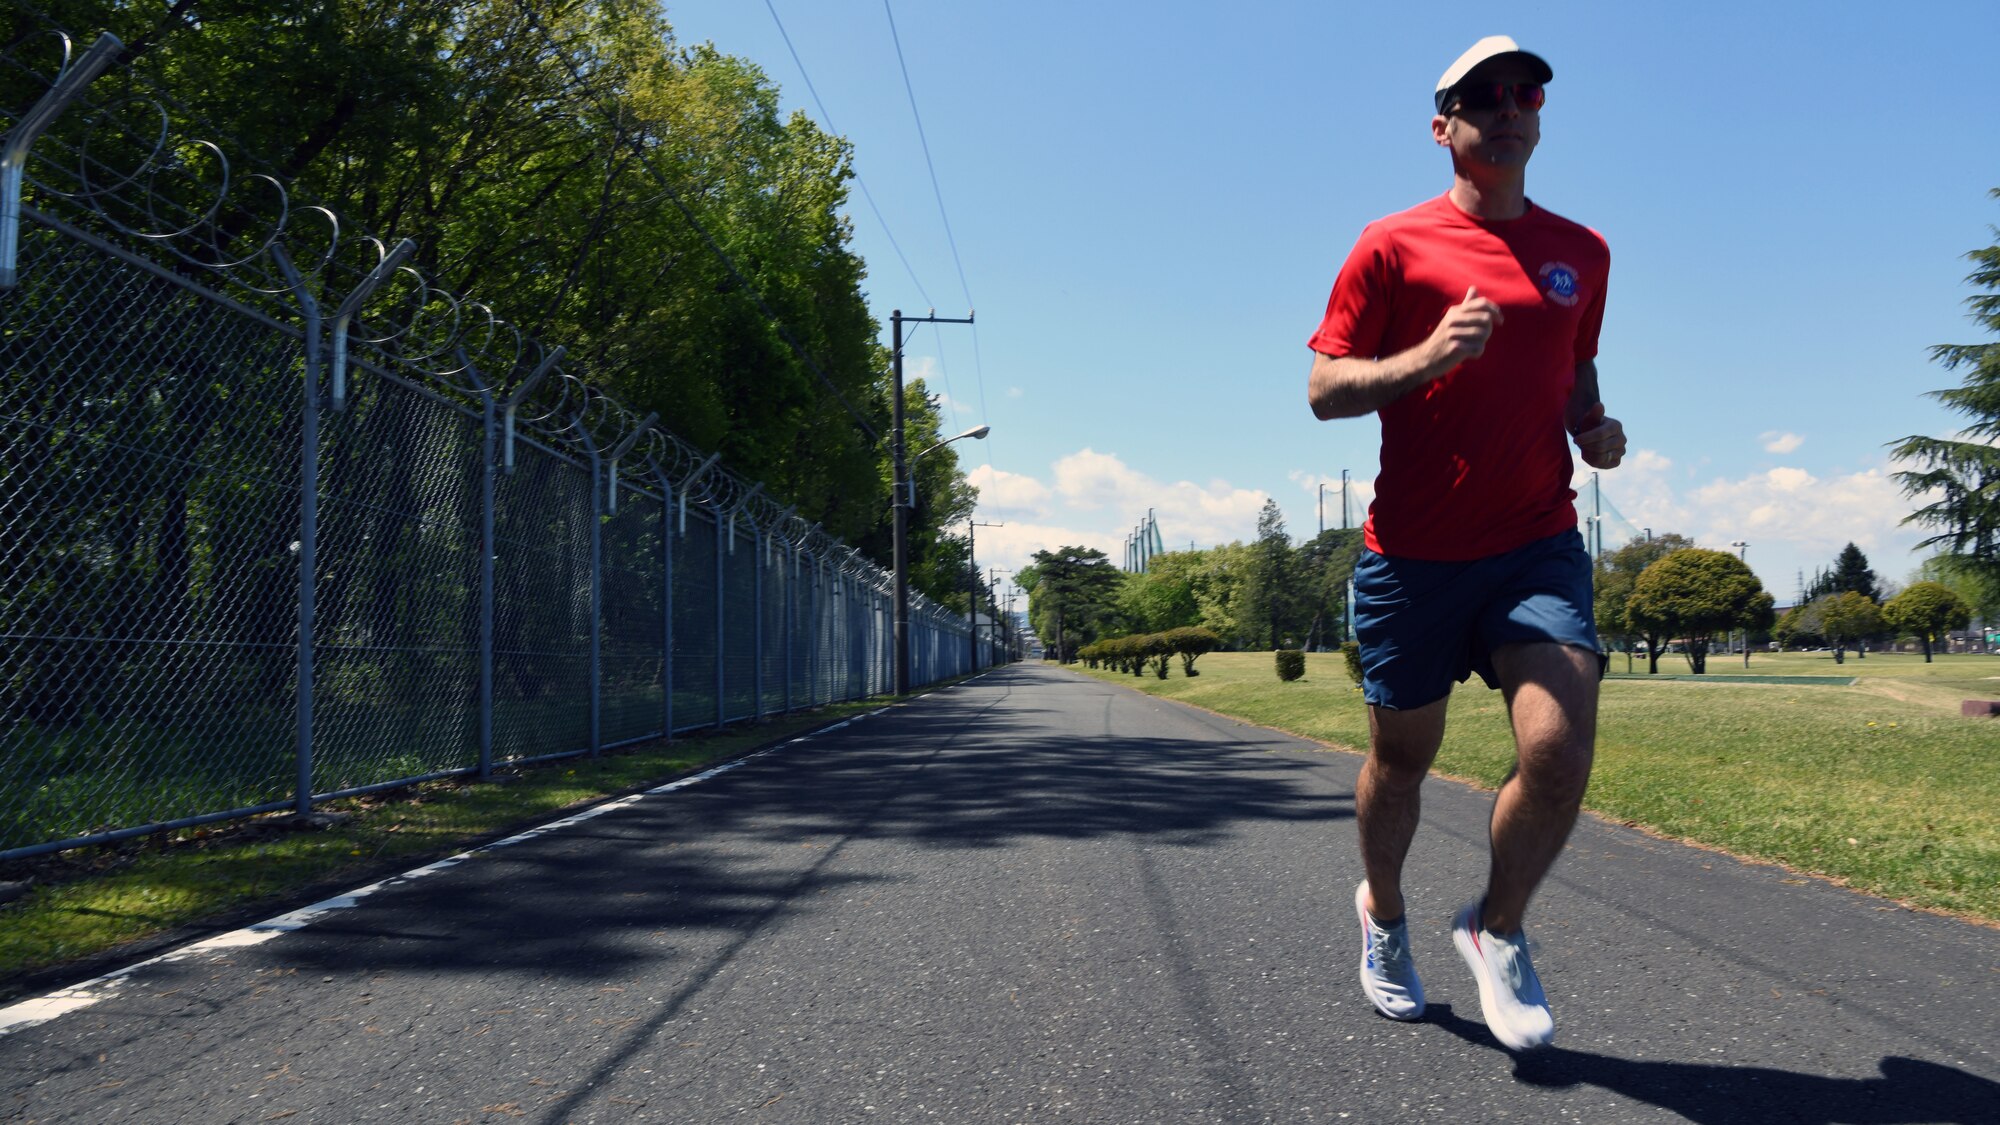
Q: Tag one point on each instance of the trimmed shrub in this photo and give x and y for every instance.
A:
(1352, 653)
(1190, 643)
(1291, 663)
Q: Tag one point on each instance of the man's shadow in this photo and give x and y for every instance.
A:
(1909, 1092)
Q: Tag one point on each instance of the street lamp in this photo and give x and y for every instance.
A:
(903, 498)
(1743, 553)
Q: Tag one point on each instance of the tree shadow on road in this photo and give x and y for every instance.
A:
(1909, 1091)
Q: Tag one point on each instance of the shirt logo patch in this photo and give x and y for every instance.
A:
(1559, 283)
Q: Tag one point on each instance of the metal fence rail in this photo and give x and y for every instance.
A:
(281, 521)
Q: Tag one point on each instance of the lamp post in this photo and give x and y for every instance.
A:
(905, 499)
(1743, 553)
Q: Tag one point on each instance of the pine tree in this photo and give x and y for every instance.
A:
(1964, 470)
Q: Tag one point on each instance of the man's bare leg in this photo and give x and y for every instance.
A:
(1551, 692)
(1402, 745)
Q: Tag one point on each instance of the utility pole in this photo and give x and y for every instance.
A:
(972, 591)
(901, 488)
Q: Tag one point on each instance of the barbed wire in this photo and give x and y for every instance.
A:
(142, 168)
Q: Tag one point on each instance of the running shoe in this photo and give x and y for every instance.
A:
(1517, 1012)
(1388, 975)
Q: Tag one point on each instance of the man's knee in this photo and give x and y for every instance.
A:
(1555, 773)
(1402, 744)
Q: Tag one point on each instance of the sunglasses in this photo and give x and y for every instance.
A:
(1490, 95)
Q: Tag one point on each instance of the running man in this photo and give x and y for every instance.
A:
(1469, 324)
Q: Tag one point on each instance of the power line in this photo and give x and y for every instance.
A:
(639, 150)
(858, 181)
(979, 373)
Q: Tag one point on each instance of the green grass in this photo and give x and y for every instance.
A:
(93, 900)
(1880, 784)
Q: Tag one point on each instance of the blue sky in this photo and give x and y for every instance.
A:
(1150, 202)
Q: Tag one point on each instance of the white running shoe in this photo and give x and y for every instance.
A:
(1517, 1012)
(1388, 975)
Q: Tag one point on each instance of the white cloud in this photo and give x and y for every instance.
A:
(1015, 392)
(1360, 494)
(1094, 499)
(1792, 505)
(1776, 442)
(1002, 493)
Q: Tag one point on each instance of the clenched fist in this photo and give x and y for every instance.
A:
(1601, 440)
(1463, 332)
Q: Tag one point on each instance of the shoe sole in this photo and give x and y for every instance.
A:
(1461, 937)
(1367, 984)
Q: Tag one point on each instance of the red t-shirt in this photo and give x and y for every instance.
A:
(1477, 462)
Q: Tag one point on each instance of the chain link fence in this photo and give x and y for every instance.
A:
(281, 521)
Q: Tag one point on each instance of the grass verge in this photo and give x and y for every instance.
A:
(92, 906)
(1879, 784)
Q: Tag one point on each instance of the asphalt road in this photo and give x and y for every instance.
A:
(1033, 897)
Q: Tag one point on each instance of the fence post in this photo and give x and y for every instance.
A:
(487, 551)
(29, 126)
(721, 700)
(757, 620)
(596, 592)
(790, 616)
(667, 602)
(308, 545)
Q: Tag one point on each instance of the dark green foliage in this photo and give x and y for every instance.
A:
(1291, 663)
(1350, 653)
(1072, 594)
(1612, 581)
(1964, 471)
(1928, 610)
(1695, 593)
(461, 124)
(1190, 643)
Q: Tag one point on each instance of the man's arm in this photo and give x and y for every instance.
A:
(1350, 386)
(1601, 440)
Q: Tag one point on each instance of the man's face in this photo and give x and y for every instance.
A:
(1502, 136)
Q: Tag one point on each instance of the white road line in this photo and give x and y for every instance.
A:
(28, 1013)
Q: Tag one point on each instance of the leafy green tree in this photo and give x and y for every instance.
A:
(1929, 610)
(1695, 593)
(1160, 598)
(1799, 625)
(1963, 471)
(1071, 590)
(569, 207)
(1269, 588)
(1324, 565)
(1612, 581)
(1847, 618)
(1851, 573)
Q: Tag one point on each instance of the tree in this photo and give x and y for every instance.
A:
(1851, 574)
(1695, 593)
(1979, 589)
(1929, 610)
(1269, 587)
(1070, 591)
(1161, 597)
(1323, 567)
(1963, 471)
(1847, 617)
(1613, 580)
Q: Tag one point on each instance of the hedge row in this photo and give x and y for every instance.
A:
(1136, 653)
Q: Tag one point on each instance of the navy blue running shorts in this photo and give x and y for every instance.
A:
(1424, 625)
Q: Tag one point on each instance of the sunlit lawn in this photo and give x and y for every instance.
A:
(1880, 783)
